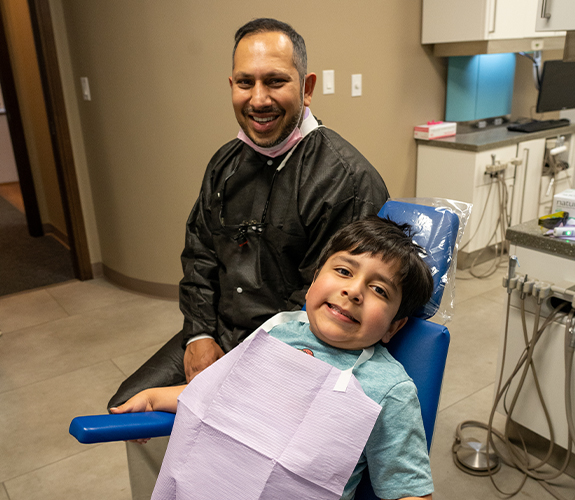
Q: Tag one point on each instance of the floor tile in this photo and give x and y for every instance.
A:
(472, 357)
(23, 310)
(53, 348)
(77, 297)
(453, 484)
(35, 419)
(129, 363)
(467, 286)
(99, 472)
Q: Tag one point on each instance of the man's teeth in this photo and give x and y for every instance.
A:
(264, 120)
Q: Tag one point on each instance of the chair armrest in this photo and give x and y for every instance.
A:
(121, 427)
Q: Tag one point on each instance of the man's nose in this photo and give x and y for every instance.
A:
(353, 292)
(260, 95)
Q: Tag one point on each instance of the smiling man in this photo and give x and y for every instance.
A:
(269, 202)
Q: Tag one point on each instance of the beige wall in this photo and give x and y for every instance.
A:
(33, 111)
(161, 103)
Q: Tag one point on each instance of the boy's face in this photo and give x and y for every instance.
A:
(353, 300)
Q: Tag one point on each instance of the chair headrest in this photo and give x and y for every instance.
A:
(435, 230)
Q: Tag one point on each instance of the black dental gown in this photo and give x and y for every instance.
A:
(255, 233)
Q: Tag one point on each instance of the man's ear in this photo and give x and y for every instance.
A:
(231, 81)
(309, 84)
(393, 329)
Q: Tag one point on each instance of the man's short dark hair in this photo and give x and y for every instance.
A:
(392, 242)
(264, 25)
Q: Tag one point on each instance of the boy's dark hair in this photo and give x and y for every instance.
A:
(264, 25)
(383, 237)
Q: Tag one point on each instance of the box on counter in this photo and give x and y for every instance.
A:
(435, 130)
(565, 200)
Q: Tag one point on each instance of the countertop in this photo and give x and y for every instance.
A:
(529, 235)
(477, 140)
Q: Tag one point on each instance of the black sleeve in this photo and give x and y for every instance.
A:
(199, 288)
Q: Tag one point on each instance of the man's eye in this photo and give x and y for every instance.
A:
(379, 290)
(243, 83)
(276, 82)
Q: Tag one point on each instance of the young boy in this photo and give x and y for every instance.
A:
(370, 278)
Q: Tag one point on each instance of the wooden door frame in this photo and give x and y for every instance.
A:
(42, 28)
(33, 219)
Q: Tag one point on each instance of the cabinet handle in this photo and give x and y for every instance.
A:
(494, 17)
(544, 13)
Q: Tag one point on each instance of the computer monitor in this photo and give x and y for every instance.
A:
(557, 89)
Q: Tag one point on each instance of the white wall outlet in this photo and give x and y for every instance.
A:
(328, 81)
(85, 88)
(356, 86)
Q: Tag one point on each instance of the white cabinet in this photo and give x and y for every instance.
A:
(446, 21)
(555, 15)
(527, 187)
(461, 175)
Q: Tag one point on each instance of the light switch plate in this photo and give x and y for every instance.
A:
(85, 88)
(328, 81)
(356, 86)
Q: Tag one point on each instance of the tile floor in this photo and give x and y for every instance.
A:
(64, 350)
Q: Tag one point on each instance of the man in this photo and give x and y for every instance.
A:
(269, 202)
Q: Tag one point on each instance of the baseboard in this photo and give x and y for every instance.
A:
(98, 270)
(538, 446)
(159, 290)
(466, 259)
(49, 229)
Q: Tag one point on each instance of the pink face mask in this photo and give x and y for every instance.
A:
(282, 147)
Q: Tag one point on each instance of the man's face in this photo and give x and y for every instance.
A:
(353, 300)
(266, 91)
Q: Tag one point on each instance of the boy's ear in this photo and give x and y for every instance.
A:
(312, 282)
(393, 329)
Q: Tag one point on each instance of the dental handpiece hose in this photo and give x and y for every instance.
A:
(513, 263)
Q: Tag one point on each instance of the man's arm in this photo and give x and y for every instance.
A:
(199, 288)
(199, 355)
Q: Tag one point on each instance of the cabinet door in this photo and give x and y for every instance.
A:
(555, 15)
(453, 20)
(527, 187)
(488, 197)
(446, 21)
(510, 19)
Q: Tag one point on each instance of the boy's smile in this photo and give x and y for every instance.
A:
(353, 300)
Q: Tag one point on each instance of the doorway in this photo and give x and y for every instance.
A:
(60, 168)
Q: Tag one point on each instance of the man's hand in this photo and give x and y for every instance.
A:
(199, 355)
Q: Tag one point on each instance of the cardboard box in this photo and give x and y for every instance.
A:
(565, 200)
(435, 130)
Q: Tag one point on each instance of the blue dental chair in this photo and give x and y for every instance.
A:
(421, 346)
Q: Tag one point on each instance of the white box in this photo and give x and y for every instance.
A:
(565, 200)
(435, 130)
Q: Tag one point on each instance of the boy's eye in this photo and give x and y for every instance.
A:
(379, 290)
(342, 271)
